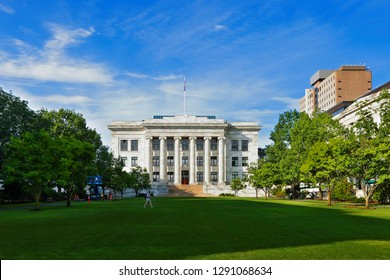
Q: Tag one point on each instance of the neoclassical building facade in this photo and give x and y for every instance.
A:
(187, 150)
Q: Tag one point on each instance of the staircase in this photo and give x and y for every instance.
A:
(186, 191)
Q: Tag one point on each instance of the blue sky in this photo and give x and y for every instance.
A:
(125, 60)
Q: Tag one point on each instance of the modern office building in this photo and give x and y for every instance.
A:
(339, 87)
(187, 150)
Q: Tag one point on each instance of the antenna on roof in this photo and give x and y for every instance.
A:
(184, 91)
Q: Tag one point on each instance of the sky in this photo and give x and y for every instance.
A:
(247, 60)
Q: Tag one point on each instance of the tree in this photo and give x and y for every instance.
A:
(281, 135)
(104, 165)
(141, 179)
(326, 163)
(121, 181)
(30, 161)
(263, 176)
(68, 123)
(15, 119)
(370, 164)
(70, 168)
(370, 159)
(237, 185)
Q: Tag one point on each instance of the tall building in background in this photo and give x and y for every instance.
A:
(334, 90)
(187, 151)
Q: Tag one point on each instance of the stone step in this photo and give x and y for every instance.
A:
(186, 190)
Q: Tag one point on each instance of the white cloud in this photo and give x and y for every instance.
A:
(292, 103)
(51, 63)
(219, 27)
(136, 75)
(168, 77)
(252, 115)
(6, 9)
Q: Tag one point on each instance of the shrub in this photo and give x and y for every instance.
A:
(382, 194)
(343, 191)
(226, 194)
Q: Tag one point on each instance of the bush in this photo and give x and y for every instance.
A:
(278, 192)
(382, 194)
(226, 194)
(343, 191)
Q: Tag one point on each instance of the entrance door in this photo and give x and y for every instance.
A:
(185, 175)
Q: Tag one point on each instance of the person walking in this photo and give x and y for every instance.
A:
(148, 199)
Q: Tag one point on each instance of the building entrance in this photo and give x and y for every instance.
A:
(185, 175)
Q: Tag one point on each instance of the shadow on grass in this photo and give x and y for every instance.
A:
(196, 228)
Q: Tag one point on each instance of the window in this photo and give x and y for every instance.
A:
(245, 161)
(124, 160)
(214, 144)
(199, 177)
(185, 145)
(134, 161)
(156, 161)
(156, 176)
(170, 176)
(214, 176)
(170, 144)
(134, 145)
(124, 145)
(214, 161)
(244, 175)
(199, 161)
(199, 144)
(170, 161)
(156, 144)
(234, 175)
(184, 161)
(244, 145)
(234, 161)
(234, 145)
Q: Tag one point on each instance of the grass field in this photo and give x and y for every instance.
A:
(196, 228)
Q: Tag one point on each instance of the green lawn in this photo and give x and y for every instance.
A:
(196, 228)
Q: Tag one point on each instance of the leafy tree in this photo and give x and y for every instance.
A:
(68, 123)
(114, 175)
(307, 131)
(370, 159)
(70, 168)
(263, 176)
(237, 185)
(30, 161)
(15, 119)
(104, 165)
(141, 179)
(281, 136)
(326, 162)
(121, 181)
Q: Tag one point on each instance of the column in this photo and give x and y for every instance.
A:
(148, 156)
(192, 161)
(163, 159)
(207, 160)
(177, 161)
(221, 161)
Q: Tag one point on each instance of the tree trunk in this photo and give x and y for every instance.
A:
(68, 201)
(329, 198)
(320, 196)
(257, 193)
(36, 198)
(367, 202)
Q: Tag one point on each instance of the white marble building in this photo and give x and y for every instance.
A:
(187, 150)
(368, 101)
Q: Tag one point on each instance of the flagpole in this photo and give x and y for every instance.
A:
(184, 89)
